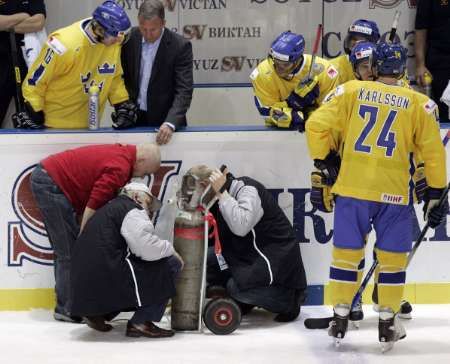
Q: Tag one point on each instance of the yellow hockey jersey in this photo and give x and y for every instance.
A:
(344, 67)
(272, 91)
(59, 80)
(380, 126)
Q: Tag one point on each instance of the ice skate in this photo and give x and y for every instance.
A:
(405, 310)
(356, 314)
(404, 313)
(338, 326)
(390, 329)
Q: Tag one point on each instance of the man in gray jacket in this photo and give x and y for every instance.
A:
(259, 245)
(119, 264)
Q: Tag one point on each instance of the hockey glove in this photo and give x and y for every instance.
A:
(286, 118)
(28, 118)
(420, 182)
(329, 167)
(321, 197)
(433, 213)
(304, 95)
(124, 116)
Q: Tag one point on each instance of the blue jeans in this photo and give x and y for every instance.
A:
(62, 229)
(155, 312)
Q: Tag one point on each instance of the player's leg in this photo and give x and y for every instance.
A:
(393, 225)
(351, 225)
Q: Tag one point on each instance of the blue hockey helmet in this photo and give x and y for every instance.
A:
(361, 29)
(391, 59)
(112, 18)
(287, 47)
(363, 51)
(286, 52)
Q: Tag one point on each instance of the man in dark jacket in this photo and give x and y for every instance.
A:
(432, 47)
(259, 246)
(157, 66)
(77, 182)
(119, 264)
(24, 17)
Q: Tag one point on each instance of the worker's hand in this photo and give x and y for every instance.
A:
(164, 134)
(178, 256)
(217, 180)
(421, 70)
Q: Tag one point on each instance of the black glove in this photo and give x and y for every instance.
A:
(434, 213)
(304, 95)
(300, 103)
(125, 115)
(329, 167)
(321, 197)
(28, 118)
(298, 122)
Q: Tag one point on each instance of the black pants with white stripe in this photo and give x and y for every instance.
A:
(272, 298)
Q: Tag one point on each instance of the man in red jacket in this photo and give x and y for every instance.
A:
(77, 182)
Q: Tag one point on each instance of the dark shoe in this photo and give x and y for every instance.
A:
(110, 316)
(288, 316)
(147, 329)
(58, 316)
(245, 307)
(291, 315)
(97, 323)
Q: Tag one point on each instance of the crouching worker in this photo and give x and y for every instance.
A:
(265, 267)
(119, 264)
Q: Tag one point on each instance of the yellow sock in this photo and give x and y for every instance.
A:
(391, 278)
(345, 275)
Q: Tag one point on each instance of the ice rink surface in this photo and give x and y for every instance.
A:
(34, 337)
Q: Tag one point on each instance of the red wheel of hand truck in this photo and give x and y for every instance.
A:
(222, 316)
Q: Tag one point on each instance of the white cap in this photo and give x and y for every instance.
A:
(142, 187)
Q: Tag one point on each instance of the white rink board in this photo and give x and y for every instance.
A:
(278, 159)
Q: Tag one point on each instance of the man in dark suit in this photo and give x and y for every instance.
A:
(157, 66)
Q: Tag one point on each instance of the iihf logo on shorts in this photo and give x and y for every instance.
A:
(27, 237)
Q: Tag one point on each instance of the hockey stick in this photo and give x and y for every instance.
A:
(15, 60)
(394, 26)
(315, 49)
(323, 322)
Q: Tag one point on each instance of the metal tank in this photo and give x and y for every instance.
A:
(189, 242)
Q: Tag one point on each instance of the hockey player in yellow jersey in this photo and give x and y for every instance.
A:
(359, 30)
(381, 124)
(361, 58)
(284, 92)
(74, 58)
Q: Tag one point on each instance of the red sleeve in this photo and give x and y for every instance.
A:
(107, 185)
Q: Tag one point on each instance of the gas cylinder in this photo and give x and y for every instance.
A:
(189, 242)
